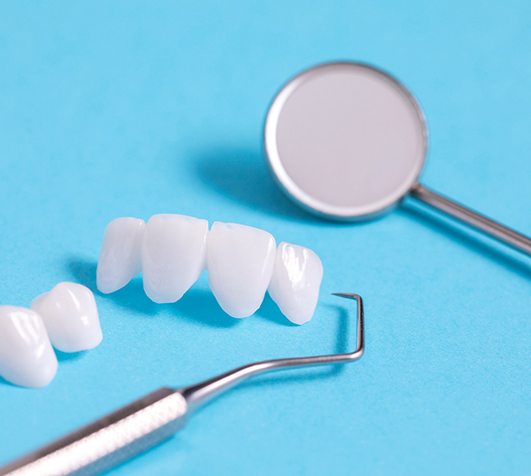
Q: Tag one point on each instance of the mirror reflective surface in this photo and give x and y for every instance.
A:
(345, 140)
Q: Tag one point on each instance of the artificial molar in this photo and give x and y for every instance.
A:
(240, 262)
(120, 256)
(26, 355)
(173, 255)
(296, 280)
(70, 316)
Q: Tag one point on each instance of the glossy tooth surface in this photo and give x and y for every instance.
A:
(26, 355)
(70, 316)
(240, 262)
(296, 281)
(173, 255)
(120, 256)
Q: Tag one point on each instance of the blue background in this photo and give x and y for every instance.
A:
(134, 108)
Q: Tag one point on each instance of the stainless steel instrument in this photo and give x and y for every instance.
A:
(153, 418)
(348, 141)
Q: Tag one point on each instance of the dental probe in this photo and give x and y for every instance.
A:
(137, 427)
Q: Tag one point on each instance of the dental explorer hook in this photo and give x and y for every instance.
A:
(152, 419)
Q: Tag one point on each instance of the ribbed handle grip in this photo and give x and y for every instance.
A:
(109, 440)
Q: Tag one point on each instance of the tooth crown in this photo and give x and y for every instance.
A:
(172, 250)
(26, 355)
(173, 255)
(119, 258)
(71, 318)
(240, 262)
(296, 281)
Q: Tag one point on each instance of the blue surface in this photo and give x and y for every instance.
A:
(135, 108)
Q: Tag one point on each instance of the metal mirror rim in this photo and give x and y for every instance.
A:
(291, 189)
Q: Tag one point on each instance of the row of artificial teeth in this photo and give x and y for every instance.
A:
(65, 317)
(243, 262)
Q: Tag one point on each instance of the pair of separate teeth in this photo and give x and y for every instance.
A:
(66, 317)
(242, 262)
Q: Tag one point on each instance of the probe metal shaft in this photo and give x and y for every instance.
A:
(153, 418)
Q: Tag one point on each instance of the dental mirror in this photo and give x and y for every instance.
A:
(348, 141)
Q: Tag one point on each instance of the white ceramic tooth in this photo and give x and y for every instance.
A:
(240, 262)
(120, 259)
(173, 255)
(70, 316)
(26, 355)
(296, 281)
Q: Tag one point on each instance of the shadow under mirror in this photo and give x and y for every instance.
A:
(242, 175)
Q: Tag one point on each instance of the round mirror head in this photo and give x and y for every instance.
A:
(345, 140)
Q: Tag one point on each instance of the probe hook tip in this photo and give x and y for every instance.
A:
(347, 295)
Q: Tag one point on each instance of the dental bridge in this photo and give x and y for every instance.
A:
(155, 417)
